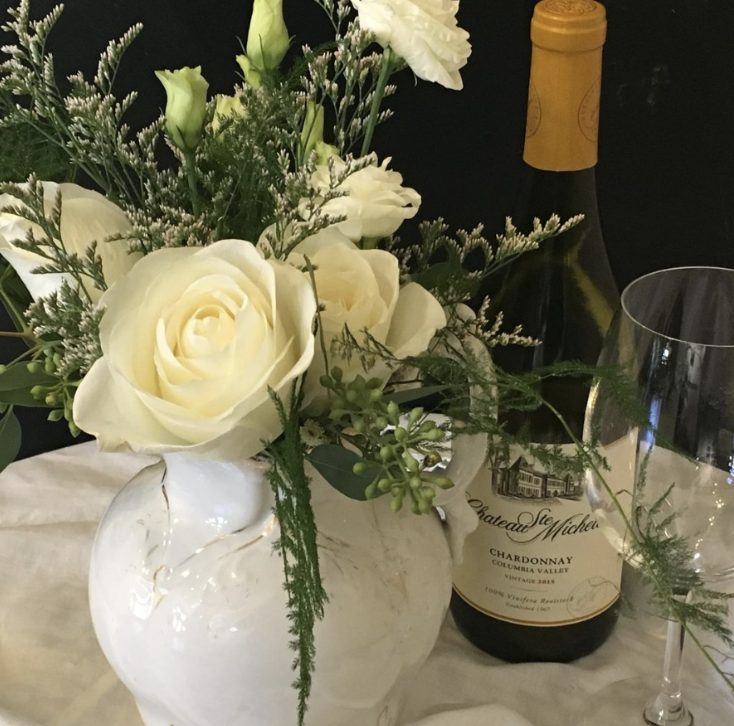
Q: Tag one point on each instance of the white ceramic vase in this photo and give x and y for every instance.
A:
(186, 593)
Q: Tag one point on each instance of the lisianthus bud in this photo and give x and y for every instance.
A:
(251, 74)
(267, 39)
(313, 128)
(227, 107)
(186, 107)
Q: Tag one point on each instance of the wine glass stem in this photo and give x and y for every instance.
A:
(667, 709)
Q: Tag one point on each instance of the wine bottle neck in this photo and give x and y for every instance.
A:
(562, 128)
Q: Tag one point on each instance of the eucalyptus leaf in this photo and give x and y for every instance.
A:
(21, 397)
(18, 376)
(336, 463)
(9, 439)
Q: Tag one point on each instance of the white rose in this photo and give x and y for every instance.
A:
(192, 339)
(86, 216)
(422, 32)
(377, 203)
(360, 289)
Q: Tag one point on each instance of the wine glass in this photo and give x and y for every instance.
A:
(668, 439)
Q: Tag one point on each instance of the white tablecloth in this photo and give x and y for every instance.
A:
(52, 672)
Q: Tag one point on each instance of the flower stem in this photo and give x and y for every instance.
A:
(377, 100)
(190, 164)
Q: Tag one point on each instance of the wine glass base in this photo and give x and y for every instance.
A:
(624, 704)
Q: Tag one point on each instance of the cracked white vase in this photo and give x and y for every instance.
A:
(187, 599)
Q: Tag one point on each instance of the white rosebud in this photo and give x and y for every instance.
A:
(377, 203)
(186, 105)
(86, 217)
(424, 33)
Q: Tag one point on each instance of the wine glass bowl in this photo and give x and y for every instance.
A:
(661, 416)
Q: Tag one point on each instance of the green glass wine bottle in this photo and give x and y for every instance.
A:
(539, 582)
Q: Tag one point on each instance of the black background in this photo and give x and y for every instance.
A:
(666, 150)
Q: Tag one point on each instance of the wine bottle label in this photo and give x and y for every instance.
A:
(538, 556)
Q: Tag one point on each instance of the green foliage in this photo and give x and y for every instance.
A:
(10, 437)
(24, 151)
(397, 451)
(297, 542)
(336, 464)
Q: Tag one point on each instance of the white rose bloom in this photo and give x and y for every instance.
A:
(377, 203)
(86, 216)
(361, 289)
(192, 339)
(424, 33)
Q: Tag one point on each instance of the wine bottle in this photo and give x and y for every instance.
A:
(539, 581)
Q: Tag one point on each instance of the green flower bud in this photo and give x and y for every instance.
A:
(436, 435)
(325, 381)
(3, 368)
(56, 415)
(337, 374)
(393, 411)
(251, 74)
(359, 426)
(427, 426)
(411, 464)
(186, 106)
(49, 365)
(74, 429)
(352, 395)
(424, 507)
(396, 504)
(51, 399)
(397, 491)
(313, 128)
(384, 485)
(416, 483)
(371, 491)
(359, 383)
(375, 395)
(441, 482)
(228, 107)
(381, 422)
(415, 506)
(386, 453)
(324, 152)
(360, 468)
(38, 392)
(34, 367)
(267, 38)
(428, 494)
(401, 434)
(415, 415)
(56, 359)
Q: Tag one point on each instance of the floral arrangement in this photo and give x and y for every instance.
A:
(234, 287)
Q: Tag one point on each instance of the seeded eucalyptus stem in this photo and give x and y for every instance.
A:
(385, 70)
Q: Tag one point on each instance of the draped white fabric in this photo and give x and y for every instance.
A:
(52, 672)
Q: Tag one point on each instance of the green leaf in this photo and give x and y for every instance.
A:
(21, 397)
(14, 296)
(335, 464)
(438, 277)
(414, 394)
(9, 439)
(18, 376)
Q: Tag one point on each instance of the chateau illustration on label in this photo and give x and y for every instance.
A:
(522, 480)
